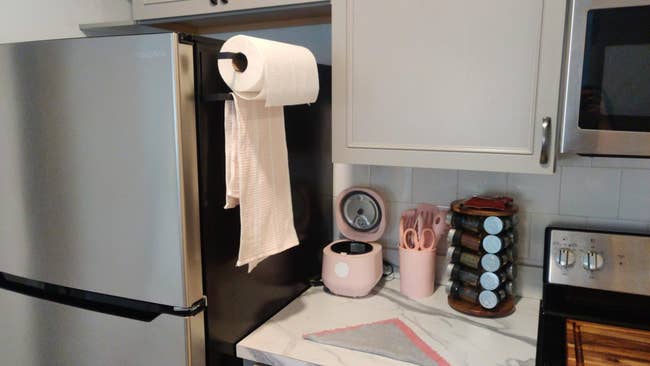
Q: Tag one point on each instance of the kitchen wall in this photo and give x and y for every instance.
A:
(315, 37)
(28, 20)
(603, 193)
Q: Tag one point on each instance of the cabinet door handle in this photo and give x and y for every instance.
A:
(546, 140)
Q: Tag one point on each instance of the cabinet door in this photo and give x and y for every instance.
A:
(463, 84)
(154, 9)
(591, 344)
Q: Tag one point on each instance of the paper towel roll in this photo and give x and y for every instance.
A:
(280, 73)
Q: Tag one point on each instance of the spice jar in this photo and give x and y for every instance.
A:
(487, 262)
(486, 243)
(456, 272)
(490, 224)
(486, 298)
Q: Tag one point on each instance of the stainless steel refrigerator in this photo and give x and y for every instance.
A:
(114, 246)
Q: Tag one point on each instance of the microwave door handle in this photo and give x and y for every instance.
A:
(546, 140)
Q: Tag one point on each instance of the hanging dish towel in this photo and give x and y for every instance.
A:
(257, 172)
(257, 179)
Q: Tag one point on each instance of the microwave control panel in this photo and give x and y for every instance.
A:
(604, 261)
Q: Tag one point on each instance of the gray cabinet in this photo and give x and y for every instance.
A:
(156, 9)
(460, 84)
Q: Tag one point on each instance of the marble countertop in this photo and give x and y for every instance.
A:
(460, 339)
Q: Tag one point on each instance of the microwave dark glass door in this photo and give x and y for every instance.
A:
(615, 91)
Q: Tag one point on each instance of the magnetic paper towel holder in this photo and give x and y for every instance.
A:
(239, 63)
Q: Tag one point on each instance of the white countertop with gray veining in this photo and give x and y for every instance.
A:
(460, 339)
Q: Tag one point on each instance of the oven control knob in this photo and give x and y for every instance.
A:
(565, 258)
(592, 261)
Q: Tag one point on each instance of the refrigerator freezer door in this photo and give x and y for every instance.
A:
(36, 332)
(98, 178)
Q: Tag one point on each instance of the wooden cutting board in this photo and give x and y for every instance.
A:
(591, 344)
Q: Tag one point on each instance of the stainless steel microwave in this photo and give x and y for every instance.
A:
(606, 91)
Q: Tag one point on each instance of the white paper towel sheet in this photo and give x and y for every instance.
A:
(279, 73)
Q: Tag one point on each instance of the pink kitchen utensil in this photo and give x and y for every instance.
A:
(424, 226)
(440, 228)
(419, 239)
(425, 231)
(416, 229)
(417, 252)
(407, 221)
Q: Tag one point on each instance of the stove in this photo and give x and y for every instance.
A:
(595, 307)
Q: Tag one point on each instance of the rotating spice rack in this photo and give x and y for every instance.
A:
(506, 306)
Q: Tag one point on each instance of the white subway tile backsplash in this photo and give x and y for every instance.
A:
(535, 193)
(538, 224)
(573, 160)
(598, 193)
(336, 233)
(391, 255)
(472, 183)
(349, 175)
(635, 195)
(529, 282)
(441, 266)
(522, 246)
(590, 192)
(617, 225)
(394, 183)
(394, 211)
(436, 186)
(631, 163)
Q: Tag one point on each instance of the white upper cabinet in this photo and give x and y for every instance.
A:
(155, 9)
(462, 84)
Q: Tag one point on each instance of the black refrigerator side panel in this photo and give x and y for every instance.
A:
(239, 302)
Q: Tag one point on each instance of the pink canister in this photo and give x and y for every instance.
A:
(417, 272)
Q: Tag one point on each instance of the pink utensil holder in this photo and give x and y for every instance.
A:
(417, 270)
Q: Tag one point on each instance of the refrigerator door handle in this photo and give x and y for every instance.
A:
(196, 308)
(94, 301)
